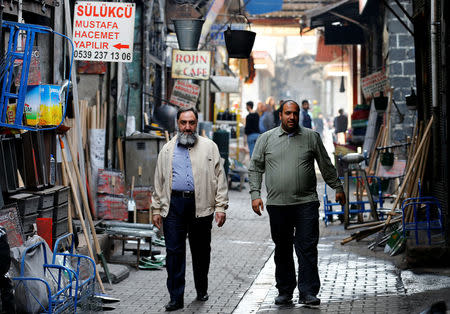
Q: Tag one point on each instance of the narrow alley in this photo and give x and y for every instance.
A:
(242, 281)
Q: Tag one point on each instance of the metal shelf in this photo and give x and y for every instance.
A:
(226, 122)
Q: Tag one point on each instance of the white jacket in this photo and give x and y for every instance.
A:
(210, 183)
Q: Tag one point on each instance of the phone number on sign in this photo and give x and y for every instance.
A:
(102, 55)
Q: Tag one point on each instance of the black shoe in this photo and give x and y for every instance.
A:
(174, 305)
(202, 297)
(309, 300)
(283, 299)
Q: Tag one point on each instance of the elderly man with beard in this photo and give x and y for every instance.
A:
(190, 189)
(286, 155)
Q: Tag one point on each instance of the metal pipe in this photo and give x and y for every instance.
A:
(162, 12)
(147, 10)
(433, 30)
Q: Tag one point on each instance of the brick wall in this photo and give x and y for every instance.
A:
(401, 68)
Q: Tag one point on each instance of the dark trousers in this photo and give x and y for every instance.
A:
(180, 223)
(296, 226)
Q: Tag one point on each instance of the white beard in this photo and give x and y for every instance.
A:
(187, 139)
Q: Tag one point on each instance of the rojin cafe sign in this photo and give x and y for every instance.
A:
(194, 65)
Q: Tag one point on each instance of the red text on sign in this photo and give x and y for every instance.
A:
(104, 11)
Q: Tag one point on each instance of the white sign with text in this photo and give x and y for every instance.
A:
(104, 31)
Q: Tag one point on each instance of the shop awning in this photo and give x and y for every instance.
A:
(333, 13)
(341, 21)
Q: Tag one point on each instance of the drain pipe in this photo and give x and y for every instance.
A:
(162, 12)
(433, 30)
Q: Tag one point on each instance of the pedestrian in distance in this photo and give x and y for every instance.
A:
(266, 120)
(305, 115)
(251, 127)
(190, 189)
(276, 114)
(340, 122)
(319, 125)
(286, 155)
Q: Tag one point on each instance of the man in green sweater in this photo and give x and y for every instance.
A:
(286, 155)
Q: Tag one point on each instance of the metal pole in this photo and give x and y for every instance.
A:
(76, 108)
(162, 12)
(434, 77)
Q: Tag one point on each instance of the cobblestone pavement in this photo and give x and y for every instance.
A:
(354, 279)
(239, 250)
(352, 283)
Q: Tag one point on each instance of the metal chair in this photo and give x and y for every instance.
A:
(427, 216)
(57, 279)
(84, 276)
(329, 211)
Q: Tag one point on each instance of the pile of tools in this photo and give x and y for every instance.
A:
(409, 188)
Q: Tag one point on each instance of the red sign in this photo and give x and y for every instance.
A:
(374, 83)
(184, 94)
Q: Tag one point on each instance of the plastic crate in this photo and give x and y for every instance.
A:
(45, 213)
(60, 212)
(60, 228)
(27, 203)
(28, 221)
(46, 198)
(61, 195)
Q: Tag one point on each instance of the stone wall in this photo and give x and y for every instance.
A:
(401, 68)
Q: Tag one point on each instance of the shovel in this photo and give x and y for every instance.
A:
(132, 215)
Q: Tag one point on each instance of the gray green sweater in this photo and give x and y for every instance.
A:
(288, 162)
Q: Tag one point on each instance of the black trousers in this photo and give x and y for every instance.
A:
(180, 223)
(296, 226)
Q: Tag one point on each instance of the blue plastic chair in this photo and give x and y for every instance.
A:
(427, 223)
(61, 299)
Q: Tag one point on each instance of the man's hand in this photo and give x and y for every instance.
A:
(340, 197)
(220, 219)
(257, 206)
(157, 220)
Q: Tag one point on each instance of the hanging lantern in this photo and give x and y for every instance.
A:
(342, 88)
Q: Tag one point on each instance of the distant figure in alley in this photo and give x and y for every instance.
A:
(251, 127)
(286, 155)
(190, 188)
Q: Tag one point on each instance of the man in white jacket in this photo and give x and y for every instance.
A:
(190, 186)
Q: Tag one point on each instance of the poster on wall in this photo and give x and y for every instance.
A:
(373, 84)
(195, 65)
(184, 94)
(104, 31)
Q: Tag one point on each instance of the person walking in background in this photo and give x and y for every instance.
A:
(286, 155)
(305, 115)
(340, 122)
(266, 120)
(318, 124)
(276, 114)
(190, 186)
(251, 127)
(260, 108)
